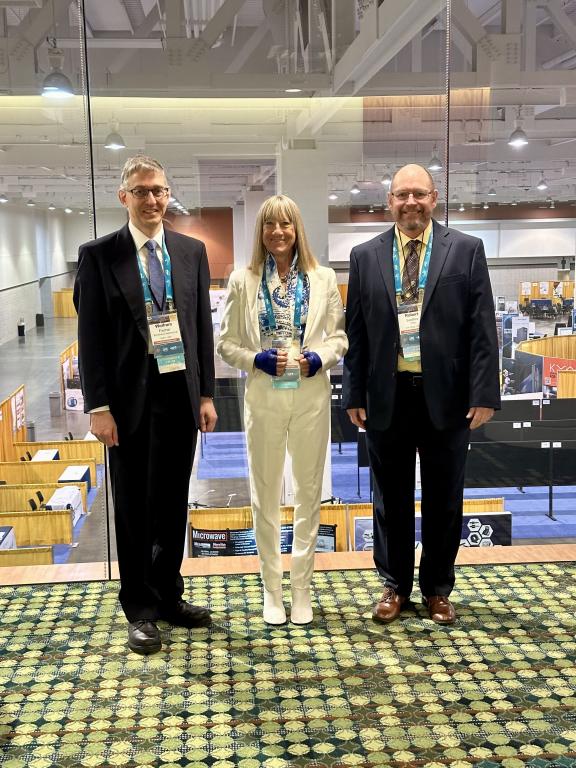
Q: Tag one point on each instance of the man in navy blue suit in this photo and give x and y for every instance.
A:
(147, 370)
(420, 372)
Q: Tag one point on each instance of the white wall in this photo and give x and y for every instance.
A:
(521, 246)
(36, 258)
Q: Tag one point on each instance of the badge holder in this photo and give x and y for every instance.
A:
(290, 379)
(409, 322)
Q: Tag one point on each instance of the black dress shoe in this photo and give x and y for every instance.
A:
(182, 614)
(144, 637)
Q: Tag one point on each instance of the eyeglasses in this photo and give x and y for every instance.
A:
(417, 194)
(141, 193)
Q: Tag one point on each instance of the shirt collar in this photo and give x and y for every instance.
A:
(402, 239)
(140, 239)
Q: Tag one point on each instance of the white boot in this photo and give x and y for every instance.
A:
(301, 606)
(274, 611)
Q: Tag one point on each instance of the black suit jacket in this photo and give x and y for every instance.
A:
(459, 348)
(112, 326)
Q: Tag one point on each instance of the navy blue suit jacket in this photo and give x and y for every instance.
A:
(458, 343)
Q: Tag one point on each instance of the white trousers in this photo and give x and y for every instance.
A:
(276, 420)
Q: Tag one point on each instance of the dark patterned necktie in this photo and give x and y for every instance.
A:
(155, 275)
(411, 270)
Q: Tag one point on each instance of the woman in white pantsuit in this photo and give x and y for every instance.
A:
(284, 324)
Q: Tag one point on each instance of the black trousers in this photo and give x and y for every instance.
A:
(392, 454)
(150, 473)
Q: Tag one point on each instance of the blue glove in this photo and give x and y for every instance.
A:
(266, 361)
(314, 363)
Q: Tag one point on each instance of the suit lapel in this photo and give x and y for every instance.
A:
(180, 278)
(125, 269)
(440, 246)
(313, 303)
(386, 266)
(251, 284)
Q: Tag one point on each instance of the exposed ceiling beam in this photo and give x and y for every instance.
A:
(221, 20)
(384, 31)
(562, 20)
(250, 46)
(34, 28)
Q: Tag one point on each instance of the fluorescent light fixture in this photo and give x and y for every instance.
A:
(435, 164)
(3, 198)
(542, 184)
(518, 138)
(114, 141)
(56, 84)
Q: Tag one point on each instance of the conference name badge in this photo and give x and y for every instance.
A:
(409, 322)
(290, 379)
(167, 342)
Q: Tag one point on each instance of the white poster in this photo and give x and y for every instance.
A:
(544, 288)
(525, 289)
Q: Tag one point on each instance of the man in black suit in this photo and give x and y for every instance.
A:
(147, 371)
(421, 371)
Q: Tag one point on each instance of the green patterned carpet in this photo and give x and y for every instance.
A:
(496, 689)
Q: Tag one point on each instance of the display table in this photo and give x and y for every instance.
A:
(7, 539)
(46, 454)
(77, 473)
(67, 498)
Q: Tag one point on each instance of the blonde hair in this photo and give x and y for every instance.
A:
(281, 208)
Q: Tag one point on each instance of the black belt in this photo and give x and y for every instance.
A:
(410, 379)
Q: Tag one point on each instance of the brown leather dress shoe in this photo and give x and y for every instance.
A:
(440, 609)
(389, 606)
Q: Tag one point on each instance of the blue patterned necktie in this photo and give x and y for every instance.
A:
(155, 275)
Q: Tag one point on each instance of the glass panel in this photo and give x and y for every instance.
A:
(44, 214)
(274, 98)
(512, 177)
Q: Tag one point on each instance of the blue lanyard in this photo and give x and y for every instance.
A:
(423, 272)
(297, 302)
(166, 263)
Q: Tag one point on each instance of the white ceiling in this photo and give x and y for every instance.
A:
(200, 84)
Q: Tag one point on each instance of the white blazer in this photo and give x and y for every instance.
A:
(240, 331)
